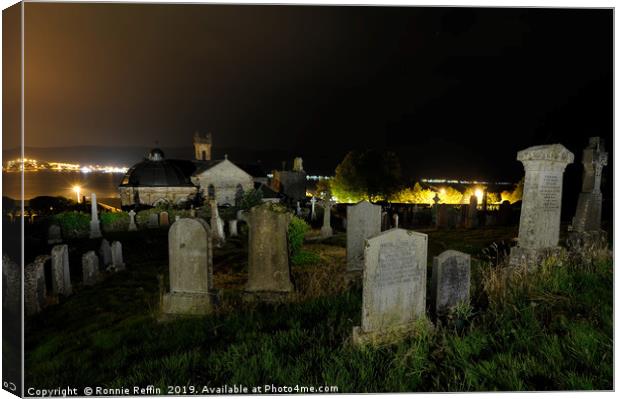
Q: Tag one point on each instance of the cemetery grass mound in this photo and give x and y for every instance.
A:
(550, 331)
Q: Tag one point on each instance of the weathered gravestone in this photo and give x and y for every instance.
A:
(190, 254)
(11, 284)
(269, 277)
(90, 268)
(54, 235)
(217, 225)
(35, 291)
(450, 280)
(105, 253)
(588, 215)
(441, 217)
(539, 227)
(394, 285)
(164, 219)
(117, 256)
(153, 221)
(61, 278)
(132, 220)
(395, 220)
(95, 230)
(472, 213)
(363, 222)
(232, 228)
(504, 215)
(326, 229)
(313, 214)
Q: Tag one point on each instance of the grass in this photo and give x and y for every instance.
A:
(549, 330)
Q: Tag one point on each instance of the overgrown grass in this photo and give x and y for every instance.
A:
(548, 330)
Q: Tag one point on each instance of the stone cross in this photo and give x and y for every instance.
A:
(190, 264)
(269, 276)
(105, 253)
(539, 226)
(90, 268)
(232, 228)
(117, 256)
(326, 229)
(313, 202)
(363, 222)
(451, 279)
(61, 277)
(436, 198)
(95, 231)
(164, 219)
(132, 220)
(588, 215)
(394, 284)
(54, 235)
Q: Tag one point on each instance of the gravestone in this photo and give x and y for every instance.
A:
(298, 209)
(35, 291)
(394, 285)
(441, 217)
(61, 277)
(504, 215)
(11, 289)
(190, 254)
(132, 220)
(164, 219)
(117, 256)
(105, 253)
(539, 226)
(217, 225)
(95, 230)
(232, 228)
(90, 268)
(395, 219)
(153, 221)
(363, 222)
(450, 280)
(313, 202)
(588, 214)
(326, 229)
(472, 213)
(269, 277)
(54, 235)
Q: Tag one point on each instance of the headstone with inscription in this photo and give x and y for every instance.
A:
(394, 285)
(363, 222)
(191, 269)
(450, 280)
(539, 226)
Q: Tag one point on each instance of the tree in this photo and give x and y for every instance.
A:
(367, 174)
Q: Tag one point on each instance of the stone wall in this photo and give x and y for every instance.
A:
(153, 195)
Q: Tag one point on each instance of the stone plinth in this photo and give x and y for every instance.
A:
(394, 285)
(539, 226)
(269, 275)
(363, 222)
(191, 269)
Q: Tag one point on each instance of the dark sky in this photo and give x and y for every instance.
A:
(450, 89)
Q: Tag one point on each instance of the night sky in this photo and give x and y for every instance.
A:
(456, 92)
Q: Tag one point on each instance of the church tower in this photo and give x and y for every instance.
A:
(202, 146)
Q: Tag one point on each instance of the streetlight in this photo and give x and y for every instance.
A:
(77, 190)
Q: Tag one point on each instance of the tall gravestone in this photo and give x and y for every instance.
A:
(394, 285)
(450, 281)
(588, 215)
(105, 253)
(326, 229)
(90, 268)
(313, 214)
(35, 291)
(61, 278)
(363, 222)
(269, 276)
(95, 230)
(11, 289)
(190, 254)
(117, 256)
(539, 226)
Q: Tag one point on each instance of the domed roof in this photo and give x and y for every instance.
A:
(155, 171)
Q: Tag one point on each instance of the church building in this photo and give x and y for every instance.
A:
(157, 180)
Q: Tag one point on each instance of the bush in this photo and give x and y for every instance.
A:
(45, 205)
(73, 224)
(114, 221)
(251, 198)
(296, 231)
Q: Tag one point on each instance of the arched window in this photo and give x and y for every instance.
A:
(211, 191)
